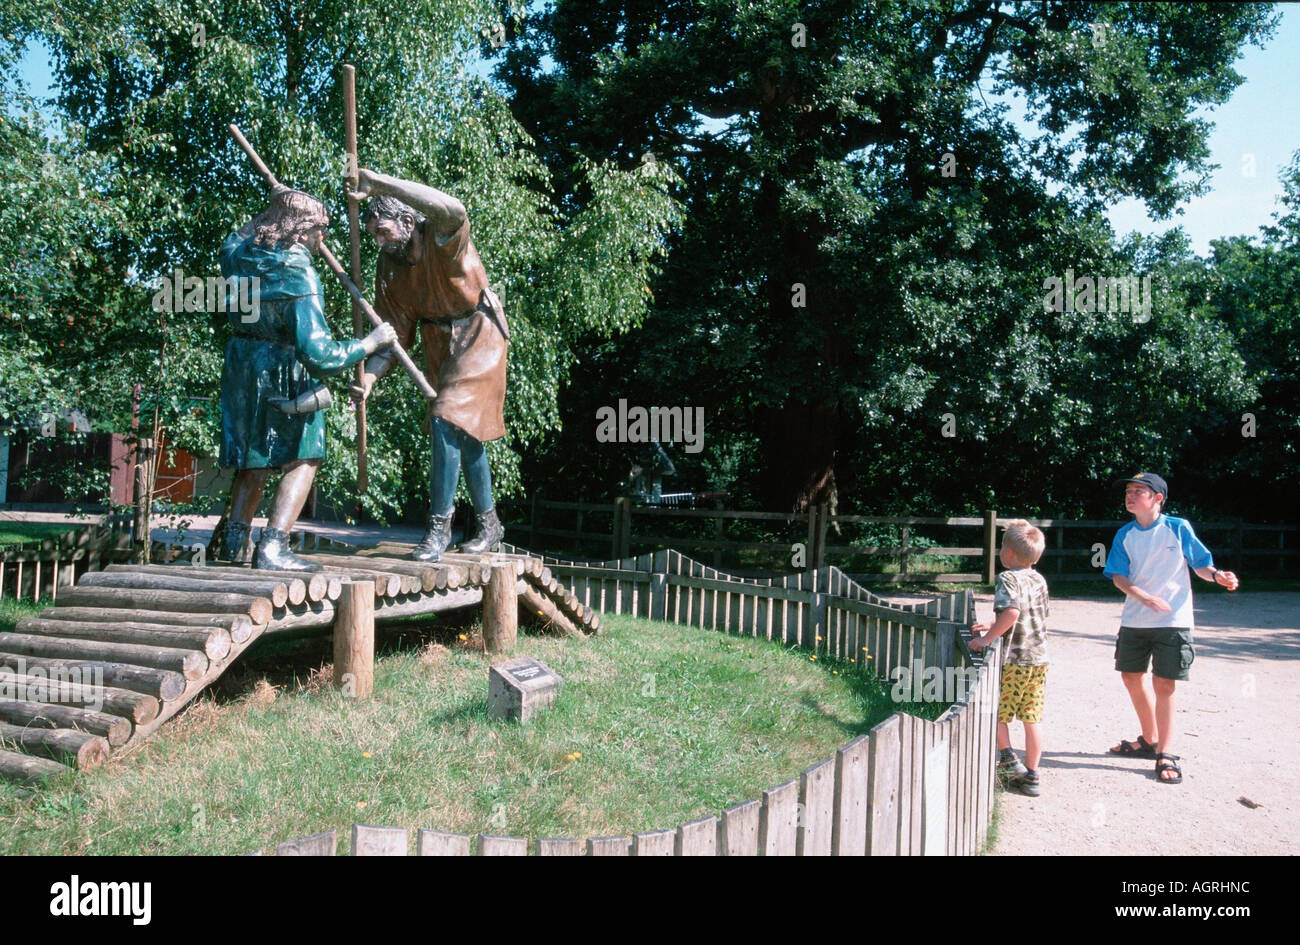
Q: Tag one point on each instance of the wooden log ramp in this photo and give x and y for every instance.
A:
(128, 647)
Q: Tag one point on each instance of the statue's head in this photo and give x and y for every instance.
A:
(392, 224)
(292, 217)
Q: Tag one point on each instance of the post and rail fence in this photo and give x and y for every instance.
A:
(1076, 548)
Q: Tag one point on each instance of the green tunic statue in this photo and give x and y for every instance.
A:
(279, 351)
(270, 408)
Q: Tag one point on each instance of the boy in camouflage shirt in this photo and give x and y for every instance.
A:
(1020, 605)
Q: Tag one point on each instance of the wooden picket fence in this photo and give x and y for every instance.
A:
(908, 787)
(38, 569)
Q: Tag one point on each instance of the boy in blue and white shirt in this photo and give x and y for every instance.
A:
(1148, 561)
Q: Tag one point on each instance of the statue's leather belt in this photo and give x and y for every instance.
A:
(452, 319)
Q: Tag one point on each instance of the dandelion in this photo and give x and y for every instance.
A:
(361, 805)
(812, 659)
(852, 660)
(819, 639)
(462, 637)
(835, 672)
(365, 754)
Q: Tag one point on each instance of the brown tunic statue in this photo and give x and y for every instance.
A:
(430, 277)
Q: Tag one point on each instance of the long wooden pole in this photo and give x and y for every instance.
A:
(354, 236)
(403, 358)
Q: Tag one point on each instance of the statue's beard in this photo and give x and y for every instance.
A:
(402, 251)
(400, 254)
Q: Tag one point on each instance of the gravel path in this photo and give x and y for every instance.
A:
(1236, 731)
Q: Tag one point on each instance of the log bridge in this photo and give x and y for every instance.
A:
(141, 641)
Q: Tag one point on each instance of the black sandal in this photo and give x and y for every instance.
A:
(1168, 763)
(1141, 747)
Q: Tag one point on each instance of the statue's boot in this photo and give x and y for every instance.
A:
(235, 546)
(436, 539)
(273, 554)
(489, 534)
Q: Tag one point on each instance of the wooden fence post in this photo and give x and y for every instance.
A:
(817, 518)
(718, 535)
(354, 640)
(501, 610)
(817, 622)
(532, 525)
(659, 597)
(622, 544)
(990, 545)
(902, 555)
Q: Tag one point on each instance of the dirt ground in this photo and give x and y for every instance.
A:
(1235, 730)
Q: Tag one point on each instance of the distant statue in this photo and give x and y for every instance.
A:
(430, 276)
(271, 402)
(645, 478)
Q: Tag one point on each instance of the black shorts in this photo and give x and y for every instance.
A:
(1167, 651)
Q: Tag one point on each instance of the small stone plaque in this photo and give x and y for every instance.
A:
(518, 688)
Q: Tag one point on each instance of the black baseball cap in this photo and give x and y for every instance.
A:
(1152, 481)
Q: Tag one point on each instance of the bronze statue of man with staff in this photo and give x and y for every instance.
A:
(429, 275)
(271, 400)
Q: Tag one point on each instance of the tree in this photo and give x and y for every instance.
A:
(154, 84)
(868, 234)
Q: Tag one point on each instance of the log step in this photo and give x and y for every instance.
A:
(189, 663)
(239, 626)
(214, 641)
(115, 729)
(135, 706)
(19, 767)
(81, 749)
(257, 609)
(163, 685)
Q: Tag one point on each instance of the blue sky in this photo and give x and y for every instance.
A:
(1261, 119)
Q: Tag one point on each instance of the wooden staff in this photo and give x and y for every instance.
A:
(354, 235)
(403, 358)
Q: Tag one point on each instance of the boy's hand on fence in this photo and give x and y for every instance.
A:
(976, 643)
(978, 628)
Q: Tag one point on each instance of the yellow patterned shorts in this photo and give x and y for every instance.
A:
(1023, 688)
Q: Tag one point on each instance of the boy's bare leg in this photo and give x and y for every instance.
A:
(1143, 703)
(1164, 713)
(1033, 746)
(1004, 735)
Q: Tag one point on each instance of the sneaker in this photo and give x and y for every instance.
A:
(1009, 766)
(1027, 783)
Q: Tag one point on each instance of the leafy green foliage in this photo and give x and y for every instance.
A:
(151, 87)
(868, 173)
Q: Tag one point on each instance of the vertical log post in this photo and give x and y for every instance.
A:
(501, 610)
(354, 640)
(990, 545)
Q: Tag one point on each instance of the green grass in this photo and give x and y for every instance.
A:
(13, 534)
(12, 611)
(657, 725)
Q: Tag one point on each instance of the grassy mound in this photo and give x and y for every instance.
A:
(657, 725)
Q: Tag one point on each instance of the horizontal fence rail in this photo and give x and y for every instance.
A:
(1072, 552)
(908, 787)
